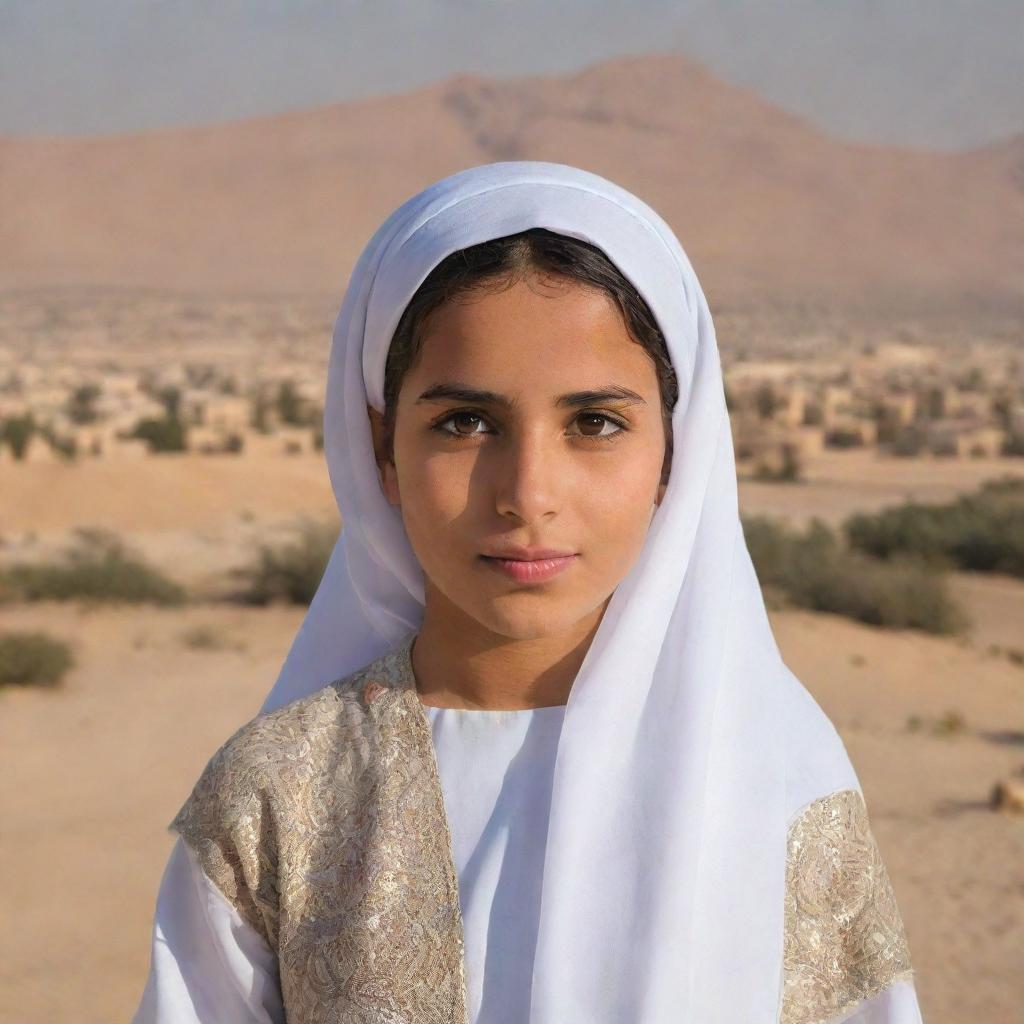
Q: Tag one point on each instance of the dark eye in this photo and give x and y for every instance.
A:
(600, 421)
(472, 417)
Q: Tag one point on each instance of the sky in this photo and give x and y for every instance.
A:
(938, 74)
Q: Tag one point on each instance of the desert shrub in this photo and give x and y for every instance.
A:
(982, 531)
(779, 551)
(204, 637)
(67, 447)
(17, 432)
(81, 405)
(165, 434)
(261, 408)
(33, 659)
(900, 595)
(96, 567)
(289, 571)
(291, 408)
(814, 570)
(950, 723)
(842, 437)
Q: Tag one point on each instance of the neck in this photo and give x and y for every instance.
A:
(464, 665)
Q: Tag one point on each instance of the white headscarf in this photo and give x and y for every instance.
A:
(664, 874)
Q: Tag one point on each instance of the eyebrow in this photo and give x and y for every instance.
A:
(456, 392)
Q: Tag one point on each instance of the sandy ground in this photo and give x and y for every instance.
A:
(96, 769)
(839, 483)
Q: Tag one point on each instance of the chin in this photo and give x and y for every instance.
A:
(531, 617)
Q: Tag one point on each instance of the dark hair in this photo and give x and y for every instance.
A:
(504, 261)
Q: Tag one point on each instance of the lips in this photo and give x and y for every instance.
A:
(531, 570)
(527, 554)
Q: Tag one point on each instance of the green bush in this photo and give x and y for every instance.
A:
(96, 567)
(33, 659)
(166, 434)
(981, 532)
(17, 432)
(815, 571)
(289, 571)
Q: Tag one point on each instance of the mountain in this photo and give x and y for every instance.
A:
(769, 209)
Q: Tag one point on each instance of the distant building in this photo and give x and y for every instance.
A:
(963, 439)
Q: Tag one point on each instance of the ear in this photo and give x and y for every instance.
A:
(384, 456)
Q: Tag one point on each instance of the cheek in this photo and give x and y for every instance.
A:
(435, 493)
(618, 512)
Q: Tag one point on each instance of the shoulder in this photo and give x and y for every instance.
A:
(817, 762)
(277, 769)
(297, 733)
(844, 938)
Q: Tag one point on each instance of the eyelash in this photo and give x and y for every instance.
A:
(439, 426)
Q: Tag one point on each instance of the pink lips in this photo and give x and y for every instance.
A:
(531, 570)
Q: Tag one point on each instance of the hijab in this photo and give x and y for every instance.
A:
(664, 869)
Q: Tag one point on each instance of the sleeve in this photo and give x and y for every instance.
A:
(896, 1004)
(208, 965)
(845, 954)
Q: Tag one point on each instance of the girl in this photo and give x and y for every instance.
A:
(534, 755)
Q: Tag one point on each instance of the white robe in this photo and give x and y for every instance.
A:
(210, 967)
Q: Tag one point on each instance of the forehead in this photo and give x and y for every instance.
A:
(483, 204)
(544, 330)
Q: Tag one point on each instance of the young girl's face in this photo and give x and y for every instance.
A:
(498, 446)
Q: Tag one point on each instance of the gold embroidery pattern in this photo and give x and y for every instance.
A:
(322, 823)
(844, 938)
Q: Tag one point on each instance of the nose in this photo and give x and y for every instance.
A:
(529, 476)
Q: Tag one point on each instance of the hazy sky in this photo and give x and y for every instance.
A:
(946, 74)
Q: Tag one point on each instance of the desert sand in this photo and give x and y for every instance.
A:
(97, 768)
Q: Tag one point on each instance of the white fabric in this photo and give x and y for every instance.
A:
(896, 1003)
(496, 771)
(208, 965)
(664, 868)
